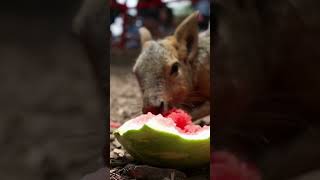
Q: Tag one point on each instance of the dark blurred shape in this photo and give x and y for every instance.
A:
(267, 84)
(203, 6)
(101, 174)
(116, 10)
(166, 19)
(52, 105)
(149, 8)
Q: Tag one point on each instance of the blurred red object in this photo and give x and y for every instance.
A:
(115, 5)
(114, 124)
(145, 4)
(226, 166)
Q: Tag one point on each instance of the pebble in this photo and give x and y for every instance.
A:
(116, 143)
(112, 137)
(120, 152)
(113, 155)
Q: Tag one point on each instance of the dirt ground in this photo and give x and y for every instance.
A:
(125, 97)
(125, 103)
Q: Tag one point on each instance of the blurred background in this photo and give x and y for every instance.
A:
(159, 16)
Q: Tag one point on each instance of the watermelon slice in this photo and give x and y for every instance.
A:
(169, 140)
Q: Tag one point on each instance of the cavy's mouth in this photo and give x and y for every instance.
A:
(169, 106)
(163, 107)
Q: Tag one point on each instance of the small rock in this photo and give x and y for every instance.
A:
(120, 152)
(111, 137)
(120, 111)
(116, 143)
(154, 173)
(113, 155)
(128, 156)
(112, 147)
(117, 162)
(122, 100)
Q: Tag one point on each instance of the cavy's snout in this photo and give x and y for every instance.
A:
(158, 108)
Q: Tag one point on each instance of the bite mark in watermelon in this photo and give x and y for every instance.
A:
(183, 121)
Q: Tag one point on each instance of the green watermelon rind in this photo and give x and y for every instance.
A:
(160, 148)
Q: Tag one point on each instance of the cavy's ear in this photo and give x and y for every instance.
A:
(187, 36)
(145, 35)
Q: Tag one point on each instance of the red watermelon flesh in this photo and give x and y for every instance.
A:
(183, 121)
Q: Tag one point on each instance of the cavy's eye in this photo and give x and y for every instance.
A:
(174, 69)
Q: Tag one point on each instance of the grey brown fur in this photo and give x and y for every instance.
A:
(189, 87)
